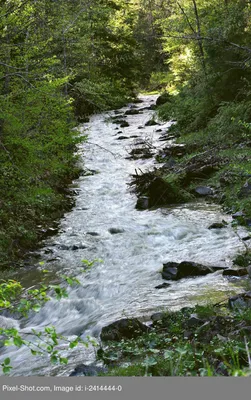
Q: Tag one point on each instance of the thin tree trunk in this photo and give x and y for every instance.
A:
(200, 43)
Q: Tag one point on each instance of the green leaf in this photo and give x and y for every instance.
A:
(8, 342)
(63, 360)
(18, 341)
(36, 308)
(6, 370)
(54, 359)
(7, 361)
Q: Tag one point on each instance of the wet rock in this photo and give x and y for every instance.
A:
(249, 271)
(141, 152)
(118, 121)
(115, 231)
(157, 316)
(79, 246)
(175, 271)
(245, 190)
(122, 138)
(170, 271)
(140, 127)
(235, 272)
(158, 130)
(142, 203)
(138, 101)
(144, 108)
(163, 98)
(53, 259)
(163, 286)
(73, 247)
(123, 329)
(164, 138)
(92, 233)
(132, 112)
(204, 191)
(151, 122)
(218, 225)
(246, 238)
(240, 300)
(188, 268)
(124, 124)
(238, 214)
(87, 370)
(48, 251)
(194, 321)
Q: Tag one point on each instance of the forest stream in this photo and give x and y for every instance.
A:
(131, 244)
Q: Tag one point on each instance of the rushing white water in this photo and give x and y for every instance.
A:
(124, 283)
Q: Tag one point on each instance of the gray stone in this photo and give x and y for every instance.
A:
(122, 138)
(188, 268)
(238, 214)
(123, 329)
(151, 122)
(175, 271)
(242, 300)
(142, 203)
(204, 191)
(124, 124)
(157, 316)
(194, 320)
(115, 231)
(218, 225)
(132, 112)
(170, 271)
(163, 286)
(87, 370)
(235, 272)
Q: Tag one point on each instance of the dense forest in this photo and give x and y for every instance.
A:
(60, 61)
(63, 61)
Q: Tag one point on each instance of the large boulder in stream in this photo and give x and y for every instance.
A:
(185, 269)
(235, 272)
(123, 329)
(163, 98)
(132, 112)
(151, 122)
